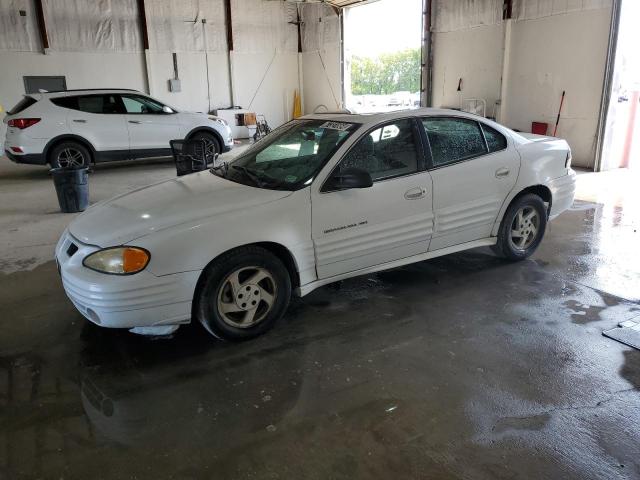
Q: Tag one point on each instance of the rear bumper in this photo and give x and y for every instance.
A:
(563, 190)
(113, 301)
(28, 158)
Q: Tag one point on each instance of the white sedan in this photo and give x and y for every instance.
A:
(321, 199)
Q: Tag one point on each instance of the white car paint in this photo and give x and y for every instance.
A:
(187, 222)
(108, 135)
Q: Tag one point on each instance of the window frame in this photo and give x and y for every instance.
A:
(480, 125)
(421, 152)
(506, 140)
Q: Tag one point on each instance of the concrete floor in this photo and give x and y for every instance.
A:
(461, 367)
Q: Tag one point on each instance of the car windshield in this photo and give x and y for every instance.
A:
(289, 157)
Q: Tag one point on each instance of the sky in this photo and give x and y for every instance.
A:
(383, 26)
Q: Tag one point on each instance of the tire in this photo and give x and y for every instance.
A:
(68, 155)
(529, 232)
(212, 145)
(226, 285)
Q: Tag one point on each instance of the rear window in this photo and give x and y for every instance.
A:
(23, 104)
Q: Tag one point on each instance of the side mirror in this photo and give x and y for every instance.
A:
(166, 109)
(348, 179)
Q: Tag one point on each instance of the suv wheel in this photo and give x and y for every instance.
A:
(69, 155)
(211, 144)
(243, 294)
(522, 228)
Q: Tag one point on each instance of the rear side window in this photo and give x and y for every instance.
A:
(90, 103)
(23, 104)
(453, 139)
(495, 140)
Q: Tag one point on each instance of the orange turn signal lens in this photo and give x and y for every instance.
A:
(134, 259)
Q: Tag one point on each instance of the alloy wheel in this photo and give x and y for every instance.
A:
(70, 157)
(525, 227)
(246, 297)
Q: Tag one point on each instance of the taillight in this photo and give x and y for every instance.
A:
(567, 162)
(22, 123)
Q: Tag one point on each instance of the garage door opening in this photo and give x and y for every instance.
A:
(621, 144)
(382, 53)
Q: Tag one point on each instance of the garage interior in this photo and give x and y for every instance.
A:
(464, 366)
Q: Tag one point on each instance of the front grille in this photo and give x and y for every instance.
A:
(72, 249)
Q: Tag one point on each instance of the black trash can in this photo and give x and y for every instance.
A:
(72, 188)
(189, 155)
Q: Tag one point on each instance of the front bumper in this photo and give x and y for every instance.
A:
(28, 158)
(115, 301)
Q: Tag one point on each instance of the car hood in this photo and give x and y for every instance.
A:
(194, 197)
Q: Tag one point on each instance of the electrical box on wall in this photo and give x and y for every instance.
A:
(174, 85)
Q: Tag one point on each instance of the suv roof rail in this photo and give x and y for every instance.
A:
(88, 90)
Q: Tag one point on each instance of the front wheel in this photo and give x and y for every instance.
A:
(522, 228)
(243, 294)
(212, 146)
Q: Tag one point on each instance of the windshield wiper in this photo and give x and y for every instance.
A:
(223, 167)
(250, 174)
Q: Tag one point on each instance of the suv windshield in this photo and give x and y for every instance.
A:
(289, 157)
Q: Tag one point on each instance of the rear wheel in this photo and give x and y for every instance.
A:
(69, 155)
(243, 294)
(211, 145)
(522, 228)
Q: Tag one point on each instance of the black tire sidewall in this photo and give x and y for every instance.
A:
(206, 308)
(504, 244)
(55, 151)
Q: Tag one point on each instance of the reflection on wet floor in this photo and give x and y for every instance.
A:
(461, 367)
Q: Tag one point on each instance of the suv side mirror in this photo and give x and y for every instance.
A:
(348, 179)
(166, 109)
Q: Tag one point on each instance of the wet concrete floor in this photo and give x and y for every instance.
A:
(461, 367)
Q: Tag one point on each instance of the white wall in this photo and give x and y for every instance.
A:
(473, 54)
(322, 77)
(94, 48)
(552, 46)
(555, 53)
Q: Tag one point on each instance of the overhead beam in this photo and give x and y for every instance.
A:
(42, 25)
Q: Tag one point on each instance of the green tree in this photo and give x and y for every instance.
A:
(387, 73)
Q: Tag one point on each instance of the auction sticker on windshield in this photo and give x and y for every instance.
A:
(343, 127)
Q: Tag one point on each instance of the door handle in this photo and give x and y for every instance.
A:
(502, 172)
(135, 121)
(79, 121)
(415, 193)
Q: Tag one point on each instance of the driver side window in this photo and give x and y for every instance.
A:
(387, 152)
(135, 104)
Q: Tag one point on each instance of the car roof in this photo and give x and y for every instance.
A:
(376, 118)
(80, 91)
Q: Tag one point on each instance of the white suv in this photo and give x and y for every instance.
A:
(75, 127)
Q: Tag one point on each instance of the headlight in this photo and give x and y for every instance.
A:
(118, 260)
(219, 120)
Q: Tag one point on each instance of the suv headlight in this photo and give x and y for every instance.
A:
(118, 260)
(221, 121)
